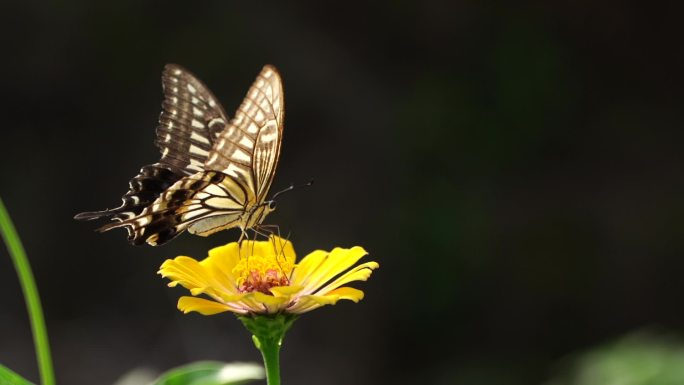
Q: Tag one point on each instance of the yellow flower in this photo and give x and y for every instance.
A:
(261, 277)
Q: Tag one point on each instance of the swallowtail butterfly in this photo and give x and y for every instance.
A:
(214, 173)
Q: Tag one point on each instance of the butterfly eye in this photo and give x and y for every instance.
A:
(271, 205)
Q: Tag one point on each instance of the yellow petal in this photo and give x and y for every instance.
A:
(358, 273)
(257, 302)
(220, 264)
(336, 262)
(349, 293)
(285, 291)
(307, 265)
(186, 271)
(181, 269)
(271, 303)
(195, 277)
(204, 306)
(228, 254)
(311, 302)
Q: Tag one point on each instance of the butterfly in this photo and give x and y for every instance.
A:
(214, 173)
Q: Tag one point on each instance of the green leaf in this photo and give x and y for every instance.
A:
(8, 377)
(211, 373)
(28, 285)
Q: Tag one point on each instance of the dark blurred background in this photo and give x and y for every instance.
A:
(516, 169)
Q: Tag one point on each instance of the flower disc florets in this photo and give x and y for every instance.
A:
(261, 273)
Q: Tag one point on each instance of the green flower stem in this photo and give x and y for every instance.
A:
(267, 333)
(270, 351)
(28, 286)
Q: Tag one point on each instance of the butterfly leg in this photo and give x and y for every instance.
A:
(267, 231)
(275, 229)
(280, 247)
(244, 236)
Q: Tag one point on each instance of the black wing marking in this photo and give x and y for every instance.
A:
(194, 198)
(144, 188)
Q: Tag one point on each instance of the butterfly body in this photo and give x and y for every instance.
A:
(251, 218)
(214, 173)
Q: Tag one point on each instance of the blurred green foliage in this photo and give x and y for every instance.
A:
(212, 373)
(642, 358)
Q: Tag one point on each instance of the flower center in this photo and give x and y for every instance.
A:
(259, 273)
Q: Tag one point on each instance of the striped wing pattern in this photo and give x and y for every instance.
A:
(248, 149)
(144, 188)
(201, 196)
(215, 174)
(190, 120)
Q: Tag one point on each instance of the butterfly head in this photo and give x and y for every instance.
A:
(268, 207)
(256, 215)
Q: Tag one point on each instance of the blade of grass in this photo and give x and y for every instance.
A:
(28, 286)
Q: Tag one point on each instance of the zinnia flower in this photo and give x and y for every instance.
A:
(261, 277)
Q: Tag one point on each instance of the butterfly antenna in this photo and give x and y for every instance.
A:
(291, 187)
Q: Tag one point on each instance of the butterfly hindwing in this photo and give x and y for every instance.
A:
(207, 197)
(144, 188)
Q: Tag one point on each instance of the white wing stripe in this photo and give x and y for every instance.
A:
(199, 138)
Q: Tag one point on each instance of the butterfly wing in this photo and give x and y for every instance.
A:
(237, 173)
(210, 198)
(249, 148)
(190, 120)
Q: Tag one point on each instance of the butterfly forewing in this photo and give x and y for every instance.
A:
(190, 120)
(248, 149)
